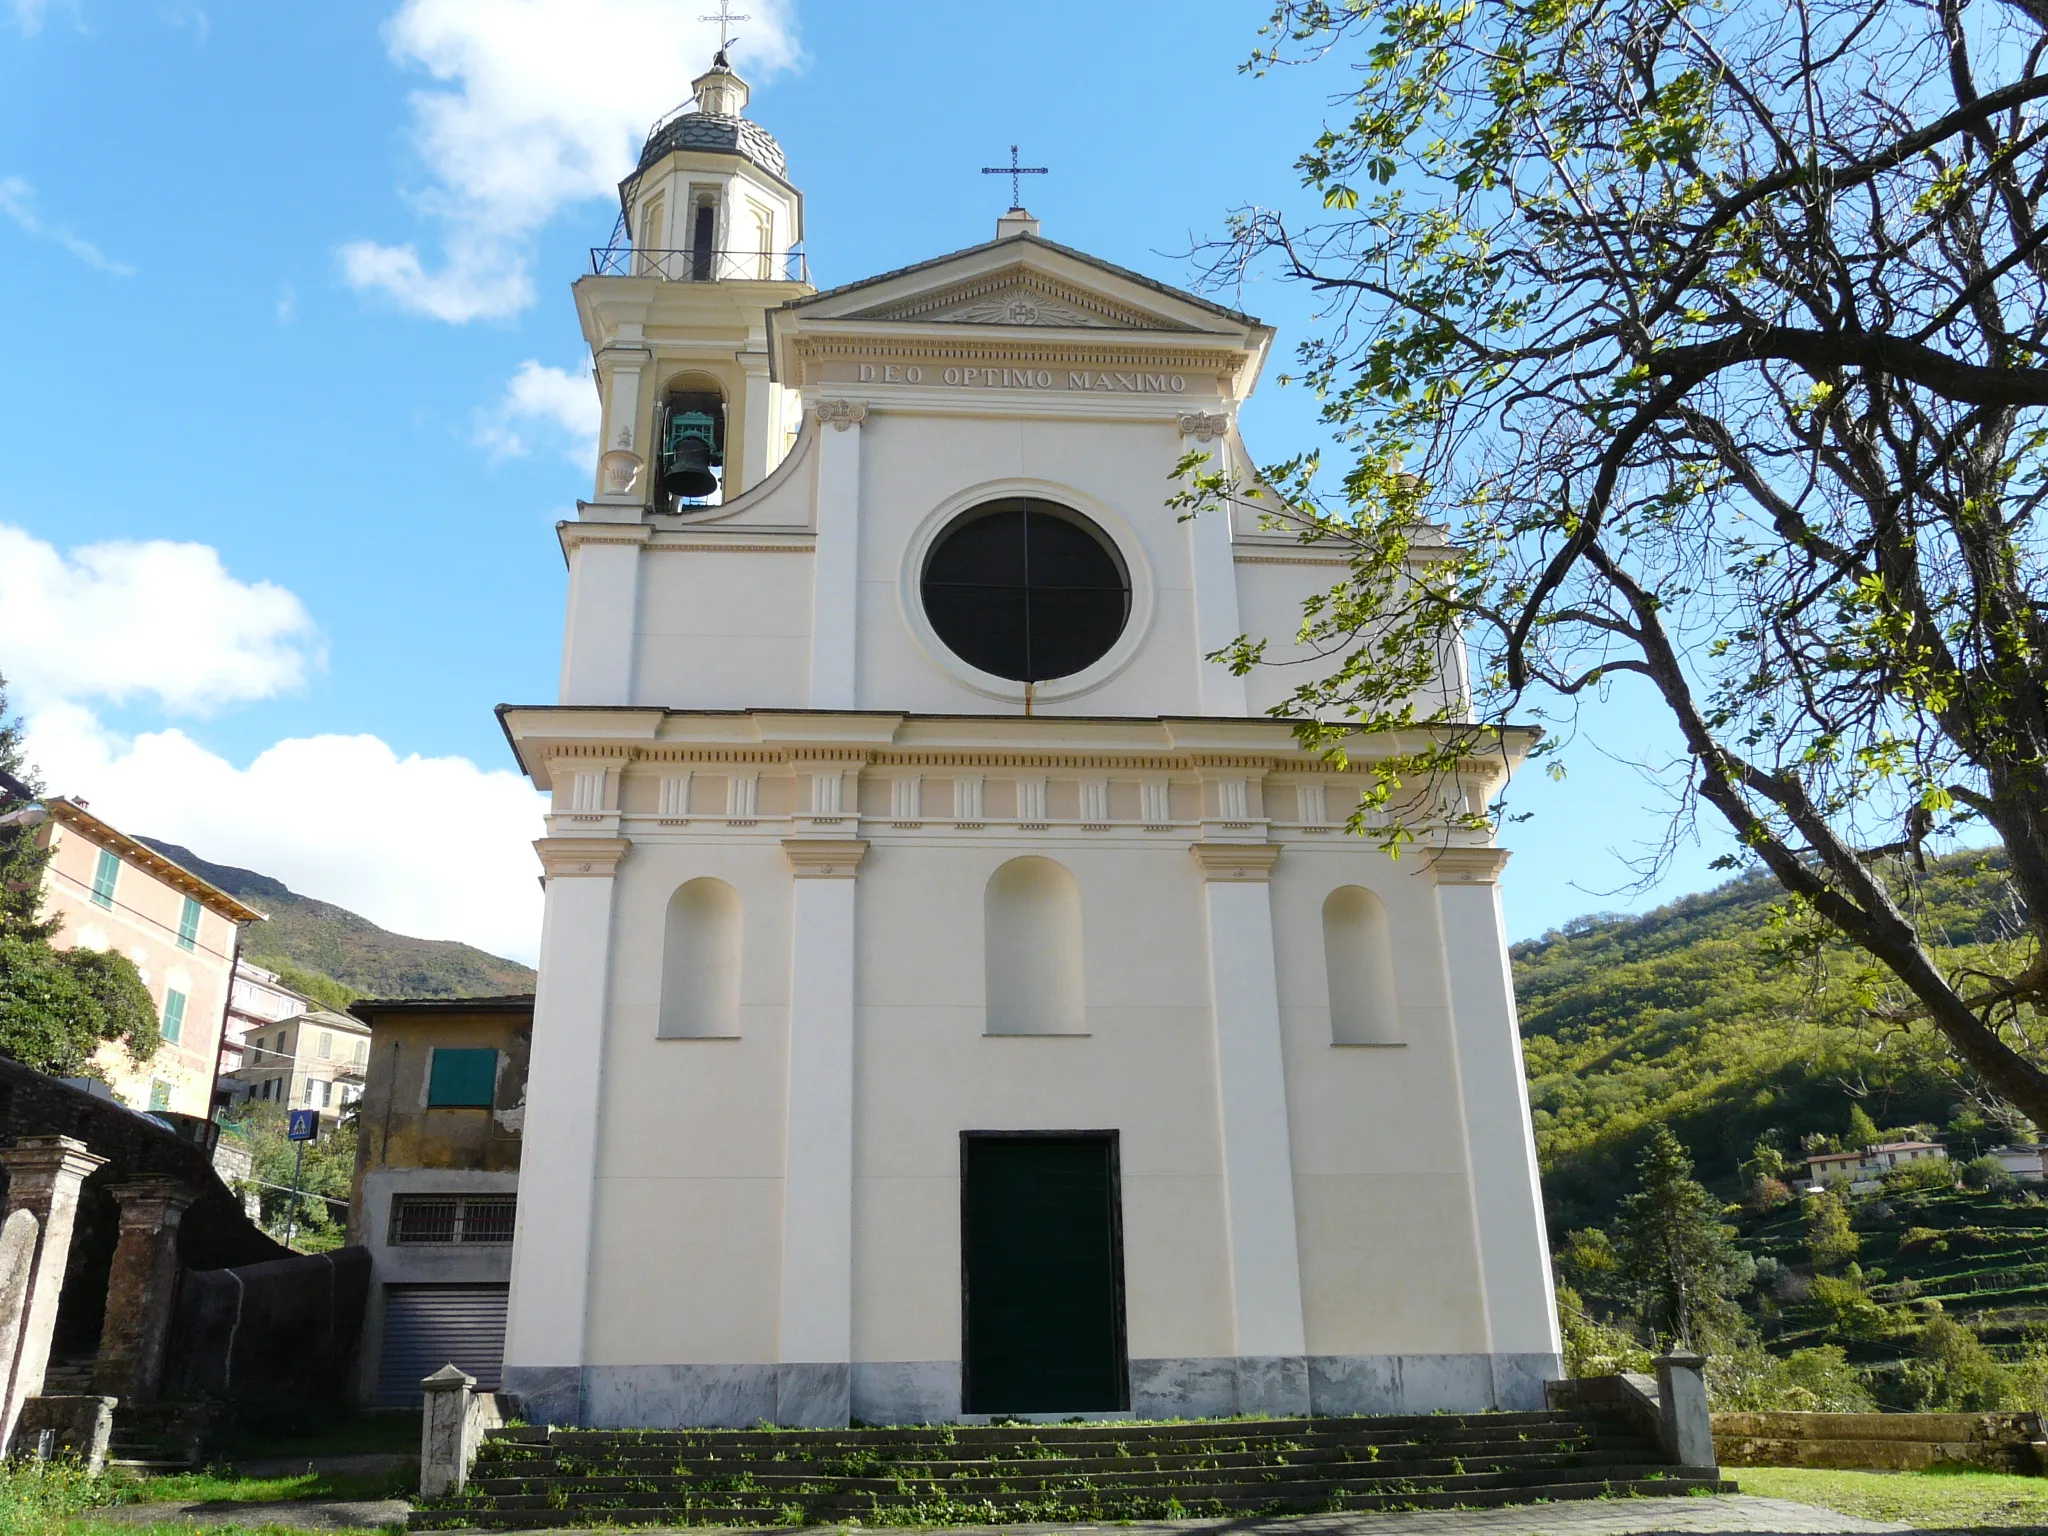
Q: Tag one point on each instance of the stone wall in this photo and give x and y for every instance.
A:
(215, 1231)
(284, 1330)
(1885, 1442)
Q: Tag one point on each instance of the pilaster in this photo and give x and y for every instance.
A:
(1265, 1263)
(814, 1380)
(1500, 1146)
(604, 607)
(1215, 570)
(44, 1175)
(140, 1289)
(836, 581)
(551, 1247)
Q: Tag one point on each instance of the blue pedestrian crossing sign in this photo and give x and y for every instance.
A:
(303, 1125)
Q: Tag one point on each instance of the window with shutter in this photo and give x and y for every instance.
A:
(464, 1078)
(104, 877)
(174, 1016)
(188, 925)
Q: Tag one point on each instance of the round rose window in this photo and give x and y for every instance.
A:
(1026, 589)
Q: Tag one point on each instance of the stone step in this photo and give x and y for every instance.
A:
(1655, 1483)
(497, 1480)
(982, 1437)
(637, 1456)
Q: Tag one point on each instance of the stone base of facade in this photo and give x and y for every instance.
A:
(928, 1391)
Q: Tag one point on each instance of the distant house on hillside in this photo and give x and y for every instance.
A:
(1831, 1168)
(258, 1000)
(183, 933)
(2023, 1161)
(316, 1060)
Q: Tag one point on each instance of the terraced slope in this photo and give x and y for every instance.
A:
(529, 1478)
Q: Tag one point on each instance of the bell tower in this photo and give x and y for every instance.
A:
(709, 239)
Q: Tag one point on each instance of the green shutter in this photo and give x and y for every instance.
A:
(103, 878)
(462, 1078)
(159, 1094)
(188, 925)
(174, 1016)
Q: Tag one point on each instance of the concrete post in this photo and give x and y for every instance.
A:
(1682, 1403)
(140, 1289)
(43, 1178)
(444, 1432)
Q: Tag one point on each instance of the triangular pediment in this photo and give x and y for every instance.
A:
(1020, 296)
(1023, 281)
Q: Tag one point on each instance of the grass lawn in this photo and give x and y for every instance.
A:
(1933, 1500)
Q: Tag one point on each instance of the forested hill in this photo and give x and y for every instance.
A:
(309, 941)
(1693, 1015)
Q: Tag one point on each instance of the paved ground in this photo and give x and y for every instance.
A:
(307, 1514)
(1726, 1515)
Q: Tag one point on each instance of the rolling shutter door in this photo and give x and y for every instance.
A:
(429, 1326)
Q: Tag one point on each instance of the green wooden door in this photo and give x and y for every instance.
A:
(1044, 1275)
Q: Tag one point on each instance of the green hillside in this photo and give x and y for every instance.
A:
(1713, 1016)
(333, 944)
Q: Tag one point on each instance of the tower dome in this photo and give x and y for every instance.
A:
(712, 122)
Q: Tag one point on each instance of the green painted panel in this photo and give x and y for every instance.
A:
(462, 1078)
(1044, 1319)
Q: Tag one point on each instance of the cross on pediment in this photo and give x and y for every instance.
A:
(1015, 172)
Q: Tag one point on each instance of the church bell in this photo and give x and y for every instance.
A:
(690, 450)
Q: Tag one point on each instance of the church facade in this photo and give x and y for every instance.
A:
(957, 997)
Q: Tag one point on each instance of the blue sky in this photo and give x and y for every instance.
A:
(292, 384)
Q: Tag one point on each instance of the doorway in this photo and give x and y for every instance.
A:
(1042, 1273)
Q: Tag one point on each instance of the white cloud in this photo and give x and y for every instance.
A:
(153, 620)
(18, 198)
(562, 404)
(431, 846)
(540, 103)
(28, 16)
(287, 304)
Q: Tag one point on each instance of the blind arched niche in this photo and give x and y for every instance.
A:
(1358, 950)
(700, 962)
(1032, 920)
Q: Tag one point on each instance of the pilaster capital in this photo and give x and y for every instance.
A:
(1236, 861)
(152, 1205)
(48, 1157)
(841, 414)
(1466, 866)
(1204, 426)
(824, 858)
(580, 857)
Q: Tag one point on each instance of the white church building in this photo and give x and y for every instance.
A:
(957, 997)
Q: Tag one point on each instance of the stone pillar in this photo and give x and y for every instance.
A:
(1688, 1425)
(445, 1448)
(813, 1386)
(1500, 1141)
(835, 588)
(604, 603)
(1215, 570)
(140, 1289)
(546, 1312)
(753, 455)
(1265, 1262)
(43, 1178)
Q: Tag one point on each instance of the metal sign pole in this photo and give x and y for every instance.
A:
(291, 1219)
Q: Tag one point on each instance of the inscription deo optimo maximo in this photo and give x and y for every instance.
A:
(1024, 378)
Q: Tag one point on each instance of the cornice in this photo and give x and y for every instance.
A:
(1466, 866)
(1236, 861)
(580, 857)
(824, 858)
(576, 534)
